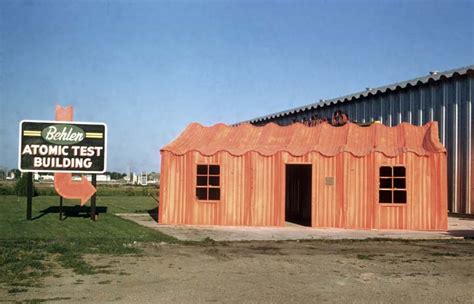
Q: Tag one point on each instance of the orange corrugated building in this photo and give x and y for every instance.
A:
(374, 177)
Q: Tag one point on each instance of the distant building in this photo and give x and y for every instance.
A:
(131, 178)
(143, 179)
(47, 177)
(153, 178)
(100, 178)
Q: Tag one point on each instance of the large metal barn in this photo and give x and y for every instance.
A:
(445, 97)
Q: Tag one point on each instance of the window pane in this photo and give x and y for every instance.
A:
(399, 172)
(214, 169)
(386, 171)
(201, 169)
(400, 197)
(214, 193)
(386, 183)
(399, 183)
(214, 180)
(385, 196)
(201, 193)
(201, 181)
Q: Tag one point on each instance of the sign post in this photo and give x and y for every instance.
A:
(29, 194)
(63, 147)
(94, 183)
(60, 208)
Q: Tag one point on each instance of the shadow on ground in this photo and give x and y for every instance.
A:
(72, 211)
(153, 213)
(468, 233)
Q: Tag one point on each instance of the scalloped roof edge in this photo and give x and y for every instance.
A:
(428, 144)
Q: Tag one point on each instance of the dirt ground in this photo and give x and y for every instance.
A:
(272, 272)
(457, 228)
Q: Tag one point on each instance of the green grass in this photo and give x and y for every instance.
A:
(45, 189)
(364, 257)
(28, 249)
(128, 204)
(16, 290)
(47, 226)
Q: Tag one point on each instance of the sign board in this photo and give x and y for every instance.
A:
(62, 146)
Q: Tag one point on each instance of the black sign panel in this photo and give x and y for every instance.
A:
(61, 146)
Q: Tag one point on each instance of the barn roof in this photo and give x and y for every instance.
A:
(432, 77)
(298, 139)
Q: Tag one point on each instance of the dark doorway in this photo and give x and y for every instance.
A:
(298, 194)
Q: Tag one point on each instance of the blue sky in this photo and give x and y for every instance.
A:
(149, 68)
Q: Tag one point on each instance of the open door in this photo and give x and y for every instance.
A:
(298, 194)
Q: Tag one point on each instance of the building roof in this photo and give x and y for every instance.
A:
(432, 77)
(298, 139)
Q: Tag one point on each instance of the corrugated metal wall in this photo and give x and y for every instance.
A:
(253, 191)
(448, 101)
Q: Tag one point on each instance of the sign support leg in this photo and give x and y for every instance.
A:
(94, 184)
(60, 208)
(29, 195)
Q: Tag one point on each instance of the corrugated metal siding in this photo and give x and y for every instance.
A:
(446, 100)
(470, 144)
(253, 190)
(425, 80)
(299, 139)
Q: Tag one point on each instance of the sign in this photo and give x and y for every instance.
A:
(62, 146)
